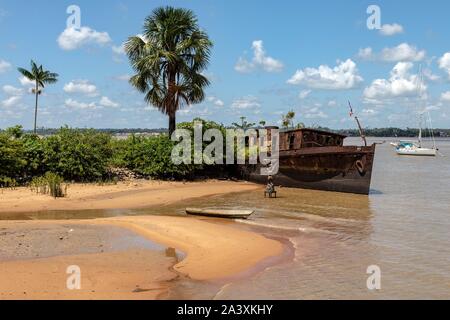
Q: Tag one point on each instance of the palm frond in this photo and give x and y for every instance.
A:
(27, 74)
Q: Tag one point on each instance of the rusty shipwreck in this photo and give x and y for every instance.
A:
(315, 159)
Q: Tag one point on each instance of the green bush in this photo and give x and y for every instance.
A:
(79, 155)
(87, 155)
(149, 156)
(12, 157)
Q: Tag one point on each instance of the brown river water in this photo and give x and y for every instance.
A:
(403, 227)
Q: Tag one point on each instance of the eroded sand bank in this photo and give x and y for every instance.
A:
(34, 255)
(124, 195)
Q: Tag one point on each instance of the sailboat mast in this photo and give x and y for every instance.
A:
(420, 79)
(420, 131)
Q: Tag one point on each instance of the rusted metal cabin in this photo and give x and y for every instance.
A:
(309, 138)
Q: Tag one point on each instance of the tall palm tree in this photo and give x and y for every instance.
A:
(41, 77)
(168, 59)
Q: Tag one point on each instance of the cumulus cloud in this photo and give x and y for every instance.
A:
(123, 77)
(12, 91)
(343, 76)
(391, 29)
(402, 52)
(445, 96)
(400, 84)
(248, 102)
(72, 39)
(14, 96)
(365, 53)
(71, 103)
(314, 113)
(4, 66)
(106, 102)
(81, 86)
(303, 94)
(369, 112)
(259, 61)
(332, 103)
(444, 63)
(428, 74)
(11, 101)
(216, 101)
(119, 50)
(24, 81)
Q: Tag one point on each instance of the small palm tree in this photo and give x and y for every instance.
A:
(244, 125)
(169, 59)
(287, 120)
(41, 77)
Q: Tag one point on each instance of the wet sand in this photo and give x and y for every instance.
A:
(125, 195)
(214, 251)
(115, 263)
(116, 259)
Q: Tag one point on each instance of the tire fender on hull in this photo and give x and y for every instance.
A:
(361, 166)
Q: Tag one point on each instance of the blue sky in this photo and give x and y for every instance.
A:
(269, 57)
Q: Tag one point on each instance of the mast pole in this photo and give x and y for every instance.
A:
(361, 131)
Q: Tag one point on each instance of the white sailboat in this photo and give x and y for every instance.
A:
(415, 148)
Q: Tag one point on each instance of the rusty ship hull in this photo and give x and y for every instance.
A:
(314, 159)
(339, 169)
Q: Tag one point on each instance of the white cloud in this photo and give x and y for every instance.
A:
(427, 73)
(123, 77)
(315, 113)
(195, 110)
(12, 91)
(11, 101)
(402, 52)
(81, 86)
(445, 96)
(444, 63)
(259, 61)
(369, 111)
(332, 103)
(4, 66)
(343, 76)
(106, 102)
(366, 53)
(248, 102)
(217, 102)
(79, 105)
(119, 50)
(391, 29)
(400, 84)
(71, 38)
(304, 94)
(24, 81)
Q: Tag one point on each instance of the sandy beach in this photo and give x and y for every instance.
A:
(124, 195)
(122, 257)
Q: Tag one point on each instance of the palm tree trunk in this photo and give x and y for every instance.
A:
(36, 108)
(172, 123)
(172, 103)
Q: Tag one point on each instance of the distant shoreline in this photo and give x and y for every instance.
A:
(369, 132)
